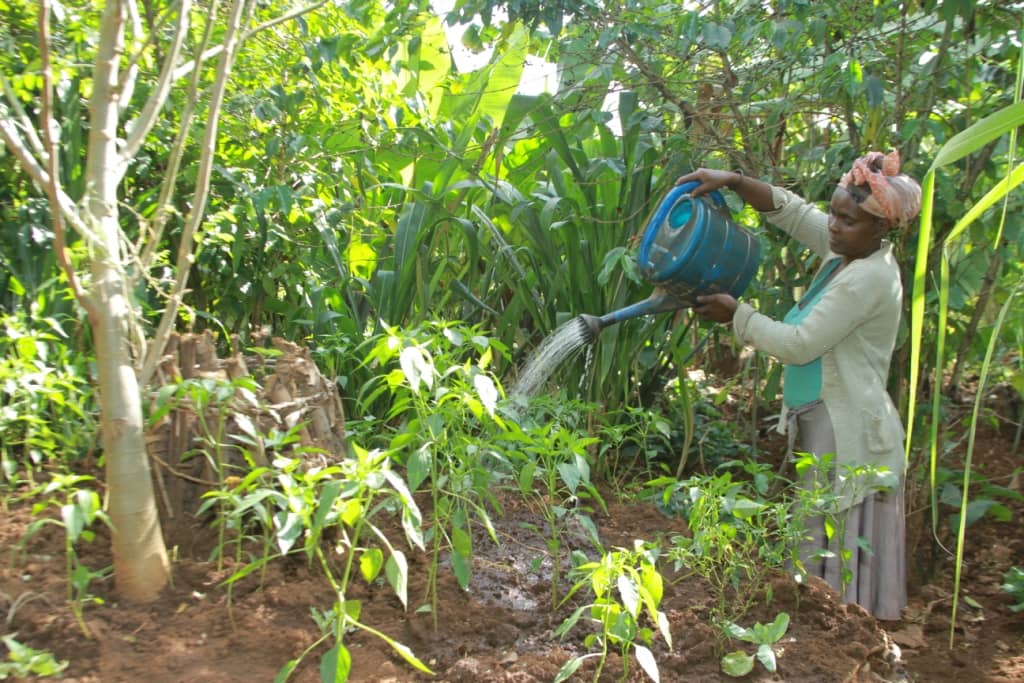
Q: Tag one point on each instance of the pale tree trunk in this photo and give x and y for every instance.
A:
(124, 364)
(141, 569)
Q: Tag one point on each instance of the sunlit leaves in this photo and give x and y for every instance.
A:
(417, 367)
(638, 587)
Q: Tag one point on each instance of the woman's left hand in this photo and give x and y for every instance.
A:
(716, 307)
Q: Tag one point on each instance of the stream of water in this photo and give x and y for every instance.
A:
(565, 341)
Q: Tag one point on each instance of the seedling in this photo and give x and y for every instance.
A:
(79, 508)
(739, 663)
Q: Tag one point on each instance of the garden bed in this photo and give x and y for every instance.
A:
(503, 628)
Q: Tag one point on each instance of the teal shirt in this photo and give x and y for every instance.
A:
(801, 384)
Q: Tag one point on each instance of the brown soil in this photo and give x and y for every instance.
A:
(502, 629)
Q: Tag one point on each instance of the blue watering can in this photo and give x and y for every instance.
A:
(690, 247)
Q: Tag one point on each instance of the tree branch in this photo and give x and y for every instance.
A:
(184, 69)
(49, 125)
(21, 120)
(147, 119)
(126, 85)
(163, 206)
(232, 41)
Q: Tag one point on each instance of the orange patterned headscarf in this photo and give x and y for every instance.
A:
(895, 196)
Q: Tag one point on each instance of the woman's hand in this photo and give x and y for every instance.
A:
(718, 308)
(756, 193)
(710, 180)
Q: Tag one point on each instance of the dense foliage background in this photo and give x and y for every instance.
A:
(364, 181)
(366, 185)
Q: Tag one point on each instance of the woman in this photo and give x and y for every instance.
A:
(836, 344)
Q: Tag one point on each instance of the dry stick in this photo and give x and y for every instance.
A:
(163, 488)
(182, 475)
(852, 676)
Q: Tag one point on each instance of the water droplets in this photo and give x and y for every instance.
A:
(552, 352)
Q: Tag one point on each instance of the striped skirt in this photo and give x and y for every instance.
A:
(873, 531)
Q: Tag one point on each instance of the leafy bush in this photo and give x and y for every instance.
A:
(46, 399)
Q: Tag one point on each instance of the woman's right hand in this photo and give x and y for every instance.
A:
(719, 308)
(710, 180)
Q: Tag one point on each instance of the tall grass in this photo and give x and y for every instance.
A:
(1004, 121)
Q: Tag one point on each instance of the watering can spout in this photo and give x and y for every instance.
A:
(659, 301)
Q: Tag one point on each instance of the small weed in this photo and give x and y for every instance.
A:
(1013, 583)
(24, 661)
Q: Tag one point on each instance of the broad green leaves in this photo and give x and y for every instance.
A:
(739, 663)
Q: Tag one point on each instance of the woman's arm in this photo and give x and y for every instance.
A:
(847, 303)
(799, 219)
(754, 192)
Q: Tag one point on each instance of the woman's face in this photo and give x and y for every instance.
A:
(852, 232)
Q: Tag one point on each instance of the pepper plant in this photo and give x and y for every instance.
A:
(443, 417)
(627, 591)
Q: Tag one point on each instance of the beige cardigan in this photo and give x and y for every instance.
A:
(853, 329)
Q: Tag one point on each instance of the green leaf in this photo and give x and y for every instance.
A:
(568, 669)
(569, 622)
(403, 650)
(570, 474)
(397, 571)
(744, 508)
(502, 77)
(462, 543)
(487, 392)
(351, 511)
(976, 509)
(335, 665)
(629, 594)
(646, 660)
(525, 478)
(74, 522)
(777, 628)
(979, 134)
(462, 569)
(716, 35)
(417, 468)
(370, 563)
(972, 602)
(328, 495)
(288, 530)
(766, 655)
(286, 671)
(737, 663)
(352, 609)
(416, 367)
(737, 632)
